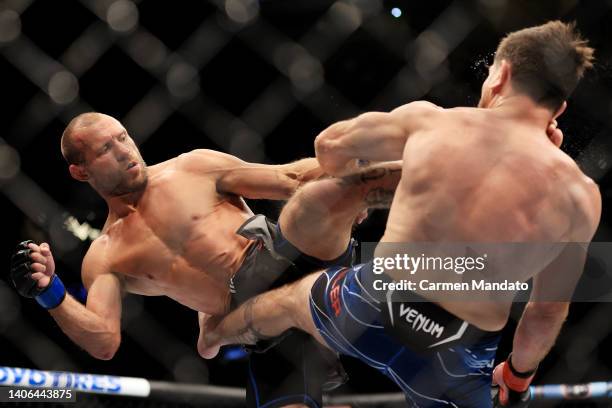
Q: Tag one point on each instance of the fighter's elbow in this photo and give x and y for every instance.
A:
(330, 139)
(107, 349)
(322, 144)
(550, 310)
(328, 149)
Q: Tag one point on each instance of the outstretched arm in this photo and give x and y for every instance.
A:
(253, 180)
(372, 136)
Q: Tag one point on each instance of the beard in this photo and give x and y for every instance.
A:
(129, 186)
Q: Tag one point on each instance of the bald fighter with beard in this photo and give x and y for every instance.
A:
(181, 229)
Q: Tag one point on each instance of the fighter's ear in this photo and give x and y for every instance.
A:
(78, 172)
(501, 77)
(560, 111)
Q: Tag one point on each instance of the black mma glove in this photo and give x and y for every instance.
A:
(21, 272)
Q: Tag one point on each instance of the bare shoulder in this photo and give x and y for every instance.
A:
(589, 205)
(418, 106)
(205, 160)
(585, 194)
(471, 116)
(417, 109)
(96, 260)
(417, 116)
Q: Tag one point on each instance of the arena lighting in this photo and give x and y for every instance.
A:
(81, 231)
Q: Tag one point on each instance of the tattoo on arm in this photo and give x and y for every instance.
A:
(379, 198)
(384, 180)
(377, 173)
(368, 175)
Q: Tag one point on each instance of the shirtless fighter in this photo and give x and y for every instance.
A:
(172, 231)
(486, 174)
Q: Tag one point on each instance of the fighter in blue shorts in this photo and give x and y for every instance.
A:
(489, 174)
(435, 358)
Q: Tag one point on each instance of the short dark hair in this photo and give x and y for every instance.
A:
(547, 61)
(71, 152)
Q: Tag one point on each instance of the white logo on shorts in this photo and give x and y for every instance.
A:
(420, 322)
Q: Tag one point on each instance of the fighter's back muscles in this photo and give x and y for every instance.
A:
(96, 326)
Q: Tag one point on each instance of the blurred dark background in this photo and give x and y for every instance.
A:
(257, 79)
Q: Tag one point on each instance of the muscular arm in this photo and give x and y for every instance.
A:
(253, 180)
(374, 136)
(536, 333)
(553, 289)
(96, 326)
(548, 307)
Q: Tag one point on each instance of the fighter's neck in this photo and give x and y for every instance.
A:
(520, 108)
(123, 205)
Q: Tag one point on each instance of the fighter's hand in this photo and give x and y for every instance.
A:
(33, 274)
(32, 268)
(510, 390)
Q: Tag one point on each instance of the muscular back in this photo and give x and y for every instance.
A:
(478, 177)
(179, 240)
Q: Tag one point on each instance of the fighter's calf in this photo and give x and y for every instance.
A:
(318, 219)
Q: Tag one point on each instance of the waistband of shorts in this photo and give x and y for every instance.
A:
(366, 276)
(289, 251)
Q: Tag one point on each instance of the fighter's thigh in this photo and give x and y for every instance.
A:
(301, 306)
(318, 218)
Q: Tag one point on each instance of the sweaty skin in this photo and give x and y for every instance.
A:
(171, 228)
(480, 175)
(469, 175)
(180, 240)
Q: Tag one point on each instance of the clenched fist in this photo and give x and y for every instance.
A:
(33, 274)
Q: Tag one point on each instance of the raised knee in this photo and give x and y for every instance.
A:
(329, 197)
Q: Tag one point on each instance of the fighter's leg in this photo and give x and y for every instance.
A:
(265, 316)
(206, 322)
(319, 217)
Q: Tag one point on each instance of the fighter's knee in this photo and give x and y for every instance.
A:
(299, 299)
